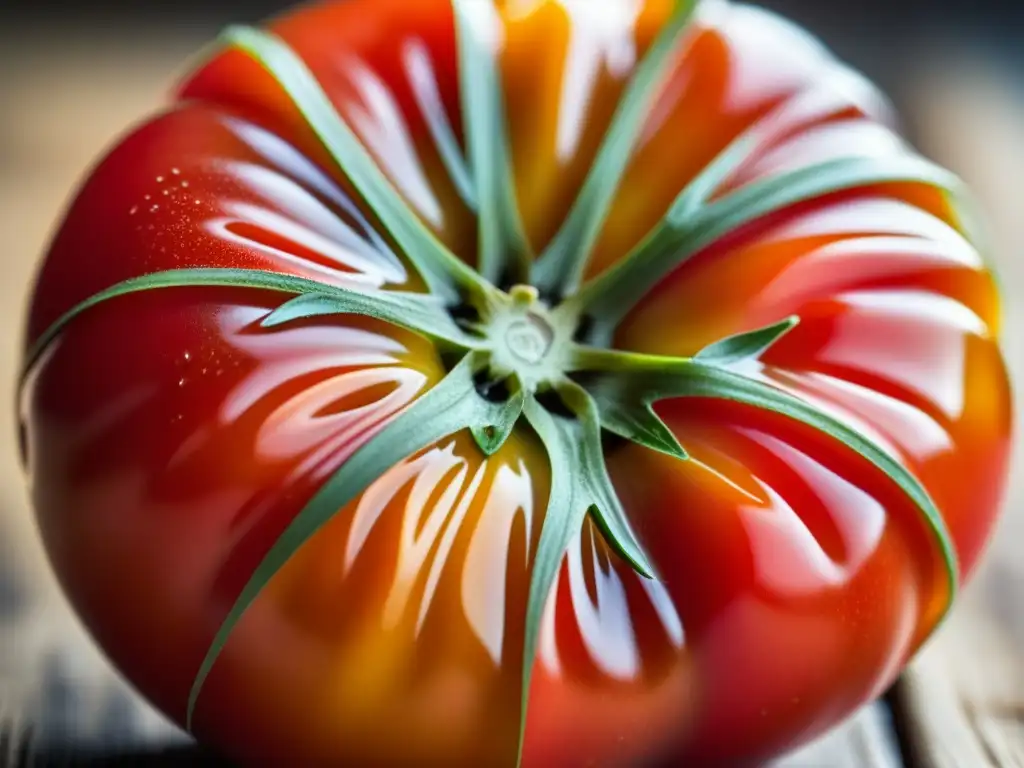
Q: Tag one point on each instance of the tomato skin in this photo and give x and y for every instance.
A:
(169, 440)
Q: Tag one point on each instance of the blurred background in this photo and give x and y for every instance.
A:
(72, 80)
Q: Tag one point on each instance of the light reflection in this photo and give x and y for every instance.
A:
(547, 646)
(829, 141)
(340, 447)
(869, 216)
(844, 86)
(295, 164)
(448, 500)
(604, 609)
(778, 134)
(601, 36)
(267, 230)
(834, 265)
(785, 380)
(287, 353)
(838, 89)
(460, 517)
(789, 561)
(665, 609)
(444, 548)
(866, 410)
(374, 501)
(304, 421)
(603, 616)
(296, 203)
(383, 129)
(509, 499)
(935, 327)
(486, 24)
(427, 519)
(763, 36)
(423, 81)
(789, 558)
(666, 104)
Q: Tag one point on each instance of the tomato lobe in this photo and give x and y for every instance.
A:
(794, 578)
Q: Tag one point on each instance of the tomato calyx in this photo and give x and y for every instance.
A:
(695, 221)
(539, 355)
(526, 346)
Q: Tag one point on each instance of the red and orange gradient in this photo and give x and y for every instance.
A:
(169, 439)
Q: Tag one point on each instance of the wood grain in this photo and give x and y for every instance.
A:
(865, 741)
(963, 699)
(62, 101)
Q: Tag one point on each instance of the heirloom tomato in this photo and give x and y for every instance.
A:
(497, 382)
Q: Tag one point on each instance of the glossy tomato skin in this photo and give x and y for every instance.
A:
(169, 440)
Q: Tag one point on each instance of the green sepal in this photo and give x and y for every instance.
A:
(746, 346)
(443, 272)
(504, 253)
(699, 191)
(693, 224)
(428, 98)
(449, 407)
(419, 312)
(724, 385)
(492, 437)
(560, 268)
(623, 414)
(579, 485)
(563, 518)
(654, 378)
(592, 476)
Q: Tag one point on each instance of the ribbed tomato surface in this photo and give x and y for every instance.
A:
(169, 439)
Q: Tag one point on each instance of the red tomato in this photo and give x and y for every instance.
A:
(170, 439)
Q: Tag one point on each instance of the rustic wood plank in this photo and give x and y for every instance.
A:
(47, 663)
(1003, 737)
(962, 701)
(865, 741)
(938, 729)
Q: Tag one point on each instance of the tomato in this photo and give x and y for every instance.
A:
(339, 377)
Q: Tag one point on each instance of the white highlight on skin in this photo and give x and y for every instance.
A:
(383, 129)
(510, 496)
(601, 37)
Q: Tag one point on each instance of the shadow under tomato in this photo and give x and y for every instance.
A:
(177, 756)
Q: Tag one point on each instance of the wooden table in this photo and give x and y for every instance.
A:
(960, 705)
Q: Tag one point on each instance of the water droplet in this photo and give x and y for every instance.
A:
(145, 197)
(134, 210)
(167, 192)
(184, 185)
(154, 209)
(181, 382)
(159, 179)
(175, 171)
(188, 355)
(196, 201)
